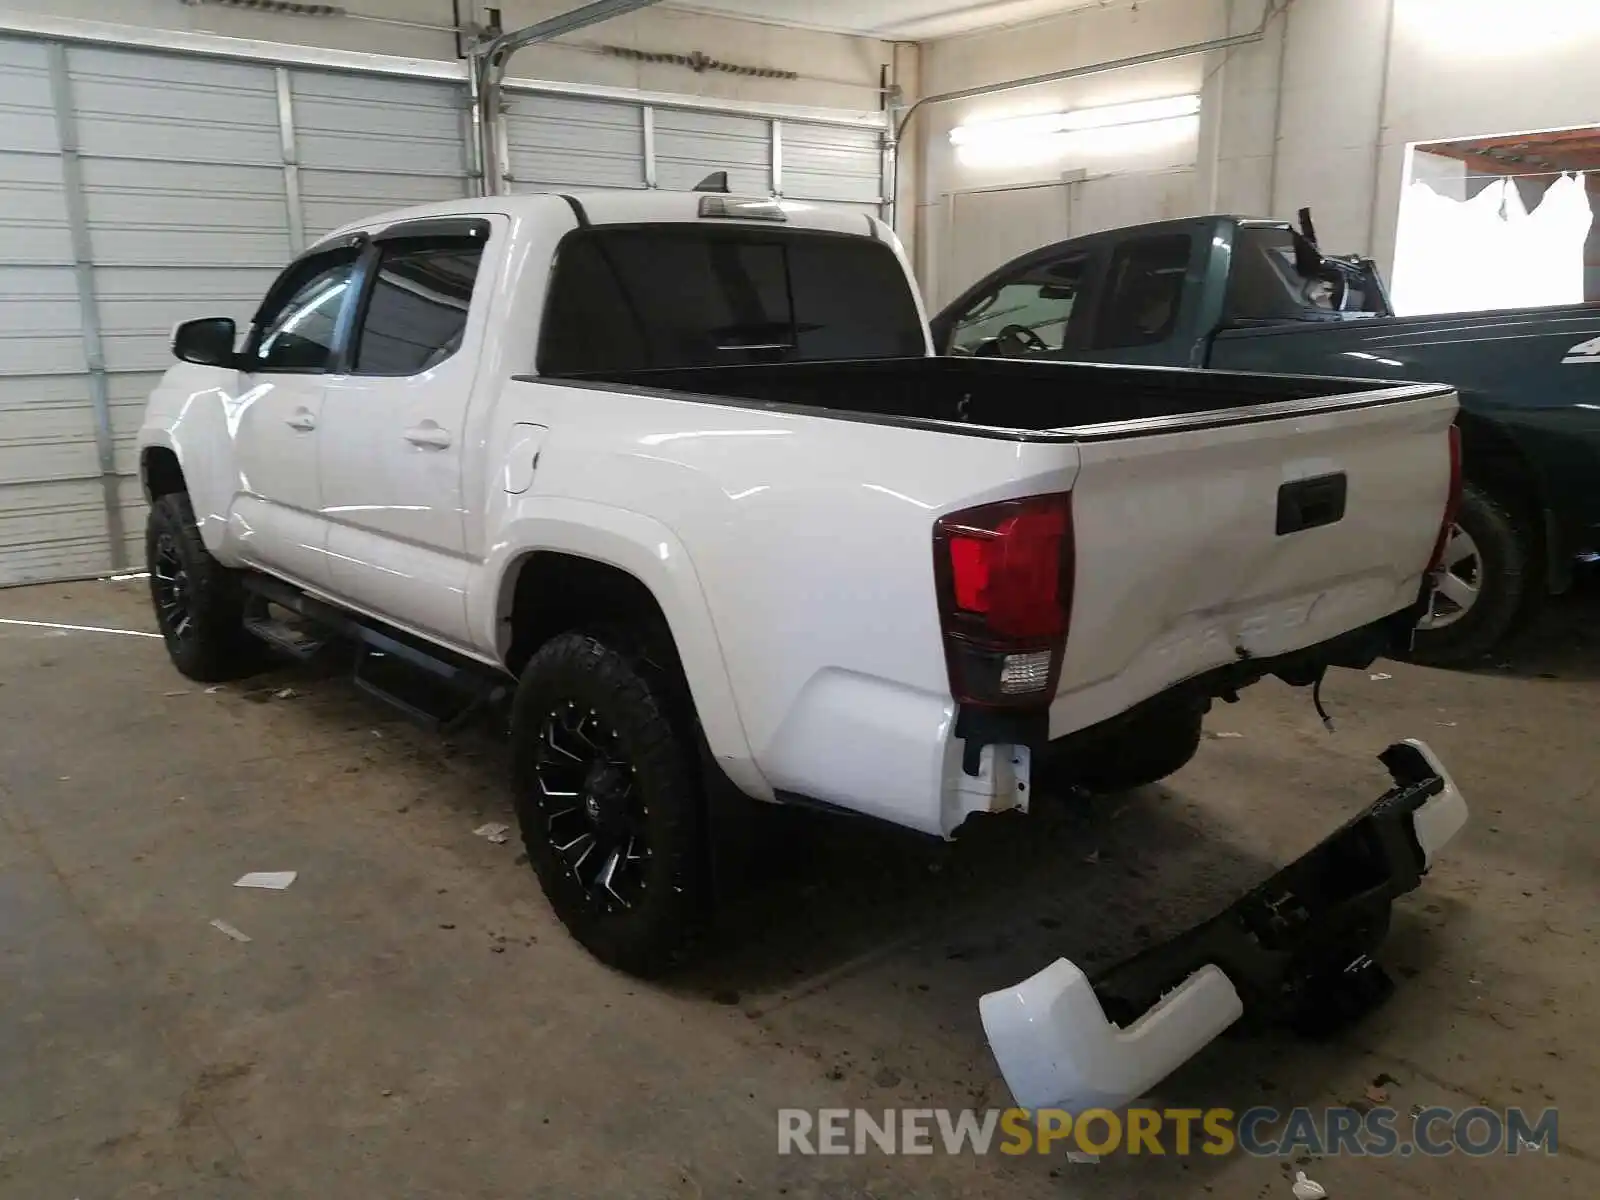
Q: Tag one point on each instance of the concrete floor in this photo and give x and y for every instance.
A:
(410, 1021)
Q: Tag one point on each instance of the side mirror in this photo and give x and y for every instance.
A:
(207, 341)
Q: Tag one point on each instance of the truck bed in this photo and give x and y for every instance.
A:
(1081, 400)
(1217, 518)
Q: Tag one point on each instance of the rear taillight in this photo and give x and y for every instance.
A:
(1004, 575)
(1452, 503)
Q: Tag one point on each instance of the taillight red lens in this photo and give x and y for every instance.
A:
(1004, 573)
(1452, 503)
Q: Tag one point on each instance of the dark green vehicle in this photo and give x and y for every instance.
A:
(1233, 294)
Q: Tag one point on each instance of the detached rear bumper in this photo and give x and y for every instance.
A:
(1294, 949)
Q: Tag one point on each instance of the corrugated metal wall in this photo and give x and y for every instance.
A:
(365, 144)
(52, 506)
(561, 141)
(139, 188)
(578, 143)
(842, 166)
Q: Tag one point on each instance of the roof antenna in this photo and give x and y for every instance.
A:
(717, 181)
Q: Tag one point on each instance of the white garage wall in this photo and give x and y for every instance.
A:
(1320, 112)
(1439, 69)
(1127, 175)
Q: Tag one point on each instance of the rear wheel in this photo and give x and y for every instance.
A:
(608, 799)
(1488, 583)
(1148, 748)
(199, 604)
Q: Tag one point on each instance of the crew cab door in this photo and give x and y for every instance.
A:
(275, 519)
(394, 426)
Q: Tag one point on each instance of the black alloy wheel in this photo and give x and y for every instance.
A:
(169, 581)
(608, 796)
(594, 816)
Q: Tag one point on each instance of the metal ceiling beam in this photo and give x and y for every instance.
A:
(562, 23)
(488, 65)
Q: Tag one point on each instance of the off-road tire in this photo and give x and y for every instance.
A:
(640, 699)
(212, 645)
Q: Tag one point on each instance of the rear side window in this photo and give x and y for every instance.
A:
(417, 313)
(626, 299)
(1144, 290)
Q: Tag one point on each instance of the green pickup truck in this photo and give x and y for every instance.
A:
(1234, 294)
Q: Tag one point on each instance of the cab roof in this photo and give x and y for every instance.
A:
(622, 207)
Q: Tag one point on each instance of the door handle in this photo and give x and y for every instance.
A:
(429, 436)
(1312, 503)
(303, 420)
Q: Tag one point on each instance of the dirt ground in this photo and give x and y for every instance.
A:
(408, 1019)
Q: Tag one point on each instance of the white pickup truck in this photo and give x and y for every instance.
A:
(681, 472)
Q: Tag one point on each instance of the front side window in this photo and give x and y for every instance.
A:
(295, 328)
(1027, 315)
(416, 315)
(1144, 291)
(626, 299)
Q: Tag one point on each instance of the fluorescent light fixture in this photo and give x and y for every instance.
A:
(1043, 125)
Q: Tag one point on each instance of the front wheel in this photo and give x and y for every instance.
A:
(608, 799)
(199, 604)
(1485, 586)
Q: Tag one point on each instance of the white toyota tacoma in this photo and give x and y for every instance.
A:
(679, 475)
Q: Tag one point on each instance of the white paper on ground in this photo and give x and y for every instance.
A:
(235, 934)
(275, 880)
(494, 831)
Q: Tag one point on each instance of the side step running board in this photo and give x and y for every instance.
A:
(297, 642)
(430, 685)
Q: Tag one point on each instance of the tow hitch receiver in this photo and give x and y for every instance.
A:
(1295, 950)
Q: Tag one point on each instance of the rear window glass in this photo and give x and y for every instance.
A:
(1144, 290)
(1266, 283)
(625, 299)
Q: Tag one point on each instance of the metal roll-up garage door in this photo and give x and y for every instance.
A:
(138, 189)
(563, 141)
(838, 165)
(578, 142)
(690, 145)
(182, 192)
(365, 144)
(51, 507)
(153, 187)
(567, 142)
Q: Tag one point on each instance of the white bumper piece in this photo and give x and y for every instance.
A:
(1057, 1049)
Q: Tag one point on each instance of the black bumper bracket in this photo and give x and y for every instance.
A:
(1298, 947)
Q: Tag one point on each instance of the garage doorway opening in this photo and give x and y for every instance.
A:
(1505, 221)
